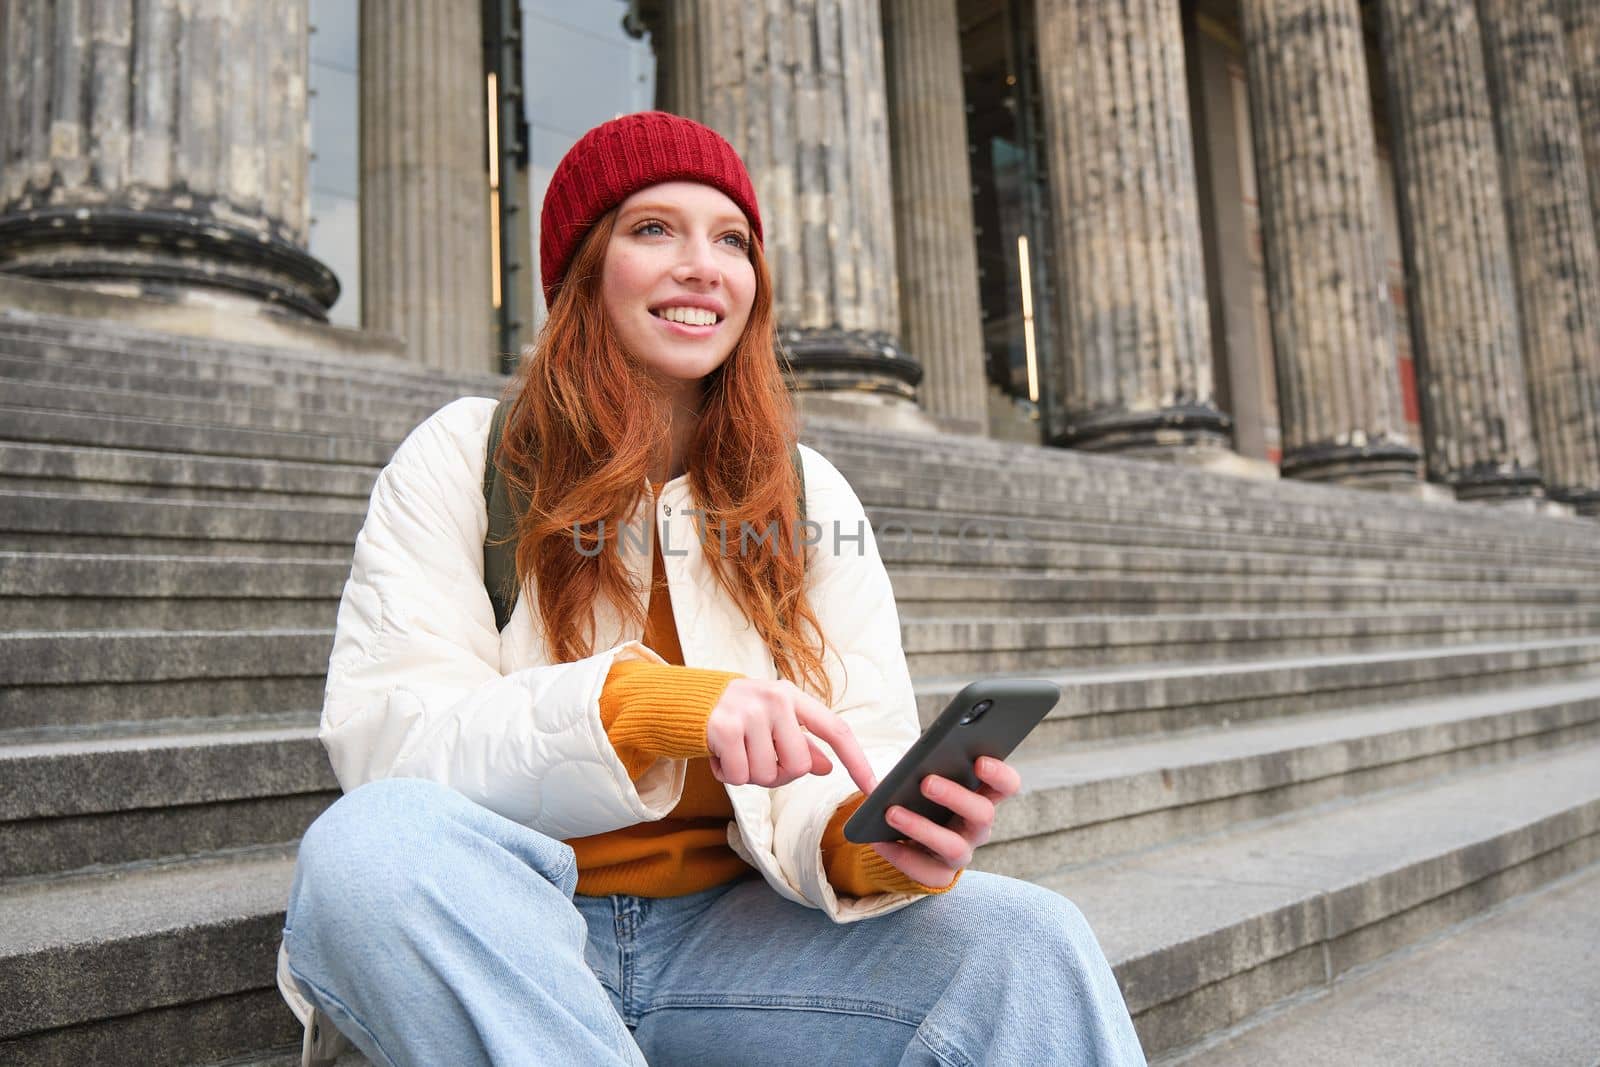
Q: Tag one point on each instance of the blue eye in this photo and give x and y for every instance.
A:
(740, 239)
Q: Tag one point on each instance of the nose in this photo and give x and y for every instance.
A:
(698, 262)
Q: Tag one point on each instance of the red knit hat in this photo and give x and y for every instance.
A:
(618, 158)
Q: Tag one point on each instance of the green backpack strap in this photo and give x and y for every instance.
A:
(800, 476)
(499, 541)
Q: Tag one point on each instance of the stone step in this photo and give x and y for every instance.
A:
(94, 400)
(179, 355)
(56, 472)
(54, 522)
(858, 447)
(286, 1056)
(62, 591)
(980, 456)
(992, 457)
(971, 512)
(1486, 980)
(934, 594)
(334, 396)
(1194, 949)
(933, 647)
(1208, 932)
(68, 680)
(176, 958)
(84, 430)
(967, 646)
(130, 474)
(955, 481)
(83, 591)
(45, 522)
(1096, 705)
(1055, 558)
(83, 402)
(1090, 801)
(173, 789)
(977, 533)
(180, 790)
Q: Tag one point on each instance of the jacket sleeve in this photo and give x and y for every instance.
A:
(414, 684)
(849, 591)
(858, 869)
(652, 712)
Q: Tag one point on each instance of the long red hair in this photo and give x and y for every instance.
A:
(584, 422)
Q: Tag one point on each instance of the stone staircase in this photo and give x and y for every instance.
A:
(1301, 727)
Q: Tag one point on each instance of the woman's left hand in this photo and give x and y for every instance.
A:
(939, 852)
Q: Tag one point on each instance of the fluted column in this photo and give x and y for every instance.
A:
(1332, 324)
(1477, 428)
(1136, 331)
(160, 147)
(1552, 238)
(797, 86)
(940, 313)
(1582, 21)
(424, 184)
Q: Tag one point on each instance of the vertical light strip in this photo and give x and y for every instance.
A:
(1027, 316)
(494, 186)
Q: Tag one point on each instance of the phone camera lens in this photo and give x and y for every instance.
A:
(976, 712)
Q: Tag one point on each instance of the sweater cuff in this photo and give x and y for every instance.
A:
(858, 870)
(654, 711)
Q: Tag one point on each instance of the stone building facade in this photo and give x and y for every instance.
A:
(1340, 240)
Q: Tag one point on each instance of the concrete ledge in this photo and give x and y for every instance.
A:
(1462, 999)
(41, 712)
(1095, 801)
(96, 948)
(205, 1032)
(215, 324)
(1101, 705)
(1205, 933)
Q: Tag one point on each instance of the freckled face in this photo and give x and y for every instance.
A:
(677, 282)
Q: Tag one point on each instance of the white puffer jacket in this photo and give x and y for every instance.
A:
(421, 684)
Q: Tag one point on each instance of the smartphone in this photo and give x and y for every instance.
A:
(989, 717)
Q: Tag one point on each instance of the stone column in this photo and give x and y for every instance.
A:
(1136, 330)
(940, 313)
(797, 86)
(1582, 20)
(675, 40)
(424, 182)
(1317, 172)
(1240, 356)
(1479, 435)
(1552, 238)
(160, 148)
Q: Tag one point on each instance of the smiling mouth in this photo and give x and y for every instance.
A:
(684, 316)
(674, 322)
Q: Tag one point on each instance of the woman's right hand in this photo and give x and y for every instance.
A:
(760, 733)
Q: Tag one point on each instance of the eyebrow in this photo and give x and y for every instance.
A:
(668, 209)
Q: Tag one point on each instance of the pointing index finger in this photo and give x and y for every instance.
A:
(837, 733)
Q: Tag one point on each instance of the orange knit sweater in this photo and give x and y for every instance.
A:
(650, 712)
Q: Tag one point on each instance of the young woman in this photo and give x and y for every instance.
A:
(612, 832)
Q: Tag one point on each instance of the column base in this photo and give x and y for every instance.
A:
(1180, 428)
(869, 410)
(166, 251)
(1497, 486)
(1378, 465)
(1584, 502)
(850, 362)
(1212, 461)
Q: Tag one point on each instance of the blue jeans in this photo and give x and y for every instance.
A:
(433, 931)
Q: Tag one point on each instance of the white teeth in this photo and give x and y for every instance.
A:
(689, 316)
